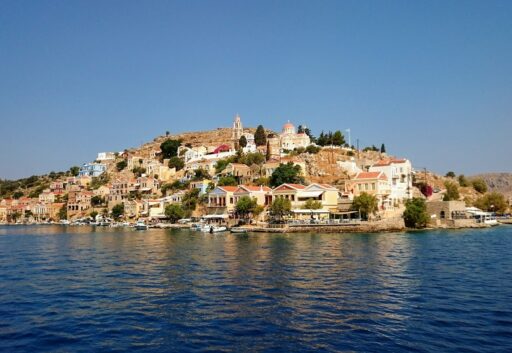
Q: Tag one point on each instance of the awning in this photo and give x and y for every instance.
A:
(346, 212)
(218, 216)
(306, 194)
(310, 211)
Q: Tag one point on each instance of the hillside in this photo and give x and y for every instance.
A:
(500, 182)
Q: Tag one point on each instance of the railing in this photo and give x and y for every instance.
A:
(313, 223)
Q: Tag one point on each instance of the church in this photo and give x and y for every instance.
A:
(290, 139)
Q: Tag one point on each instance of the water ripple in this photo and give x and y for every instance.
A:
(82, 290)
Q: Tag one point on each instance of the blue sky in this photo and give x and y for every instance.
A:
(430, 79)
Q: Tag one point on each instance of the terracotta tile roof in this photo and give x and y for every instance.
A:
(290, 186)
(228, 188)
(243, 188)
(370, 175)
(386, 162)
(297, 186)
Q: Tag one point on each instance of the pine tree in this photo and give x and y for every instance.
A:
(338, 139)
(268, 155)
(321, 139)
(382, 148)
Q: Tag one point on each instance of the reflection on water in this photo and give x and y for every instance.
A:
(83, 289)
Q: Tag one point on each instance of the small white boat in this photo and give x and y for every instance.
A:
(140, 225)
(239, 230)
(208, 228)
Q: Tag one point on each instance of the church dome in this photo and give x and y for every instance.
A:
(288, 128)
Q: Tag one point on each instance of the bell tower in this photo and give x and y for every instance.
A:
(237, 130)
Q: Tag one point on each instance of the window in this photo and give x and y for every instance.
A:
(373, 186)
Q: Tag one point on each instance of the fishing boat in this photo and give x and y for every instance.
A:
(140, 225)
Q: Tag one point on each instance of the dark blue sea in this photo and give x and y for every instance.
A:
(80, 289)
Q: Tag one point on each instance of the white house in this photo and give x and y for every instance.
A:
(399, 175)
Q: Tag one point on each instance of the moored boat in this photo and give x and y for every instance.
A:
(209, 228)
(140, 225)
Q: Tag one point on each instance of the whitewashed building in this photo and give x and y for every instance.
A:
(399, 176)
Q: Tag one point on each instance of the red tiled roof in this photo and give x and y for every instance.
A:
(291, 186)
(370, 175)
(255, 188)
(222, 148)
(386, 162)
(297, 186)
(228, 188)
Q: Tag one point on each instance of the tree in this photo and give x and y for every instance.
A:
(96, 182)
(176, 162)
(252, 158)
(227, 180)
(312, 149)
(190, 200)
(492, 202)
(382, 148)
(463, 181)
(262, 181)
(28, 214)
(63, 212)
(201, 174)
(415, 214)
(338, 139)
(74, 170)
(15, 216)
(97, 201)
(245, 206)
(242, 142)
(93, 215)
(280, 207)
(167, 133)
(479, 185)
(286, 173)
(260, 137)
(366, 204)
(121, 165)
(169, 148)
(223, 163)
(452, 191)
(312, 205)
(450, 174)
(322, 139)
(138, 171)
(174, 212)
(117, 211)
(17, 195)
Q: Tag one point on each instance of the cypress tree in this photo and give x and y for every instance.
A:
(260, 138)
